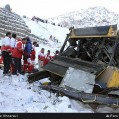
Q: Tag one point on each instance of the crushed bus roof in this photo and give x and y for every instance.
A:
(98, 31)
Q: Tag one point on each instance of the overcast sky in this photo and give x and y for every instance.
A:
(51, 8)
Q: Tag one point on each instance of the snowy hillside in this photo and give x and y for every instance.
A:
(96, 16)
(45, 30)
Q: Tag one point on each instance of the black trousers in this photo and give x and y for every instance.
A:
(17, 65)
(6, 61)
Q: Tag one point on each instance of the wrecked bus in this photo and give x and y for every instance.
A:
(88, 62)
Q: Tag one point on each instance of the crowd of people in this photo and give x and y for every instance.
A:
(14, 50)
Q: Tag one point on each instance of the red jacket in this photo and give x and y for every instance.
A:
(41, 56)
(33, 53)
(1, 59)
(18, 50)
(47, 58)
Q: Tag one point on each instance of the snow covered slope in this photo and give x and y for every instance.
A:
(95, 16)
(45, 30)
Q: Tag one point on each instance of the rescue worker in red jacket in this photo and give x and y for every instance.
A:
(41, 58)
(17, 55)
(47, 58)
(33, 56)
(6, 53)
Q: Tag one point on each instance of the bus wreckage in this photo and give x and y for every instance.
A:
(88, 64)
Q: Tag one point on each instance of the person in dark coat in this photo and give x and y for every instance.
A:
(27, 58)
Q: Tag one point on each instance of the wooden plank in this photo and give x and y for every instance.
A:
(37, 76)
(56, 69)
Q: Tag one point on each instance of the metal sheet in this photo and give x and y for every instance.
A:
(79, 80)
(114, 92)
(55, 68)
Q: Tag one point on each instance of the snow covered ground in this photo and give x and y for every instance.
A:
(17, 95)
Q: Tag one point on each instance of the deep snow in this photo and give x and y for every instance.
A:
(17, 95)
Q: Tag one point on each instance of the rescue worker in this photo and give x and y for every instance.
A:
(27, 67)
(13, 43)
(17, 55)
(41, 58)
(47, 58)
(33, 55)
(6, 53)
(56, 53)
